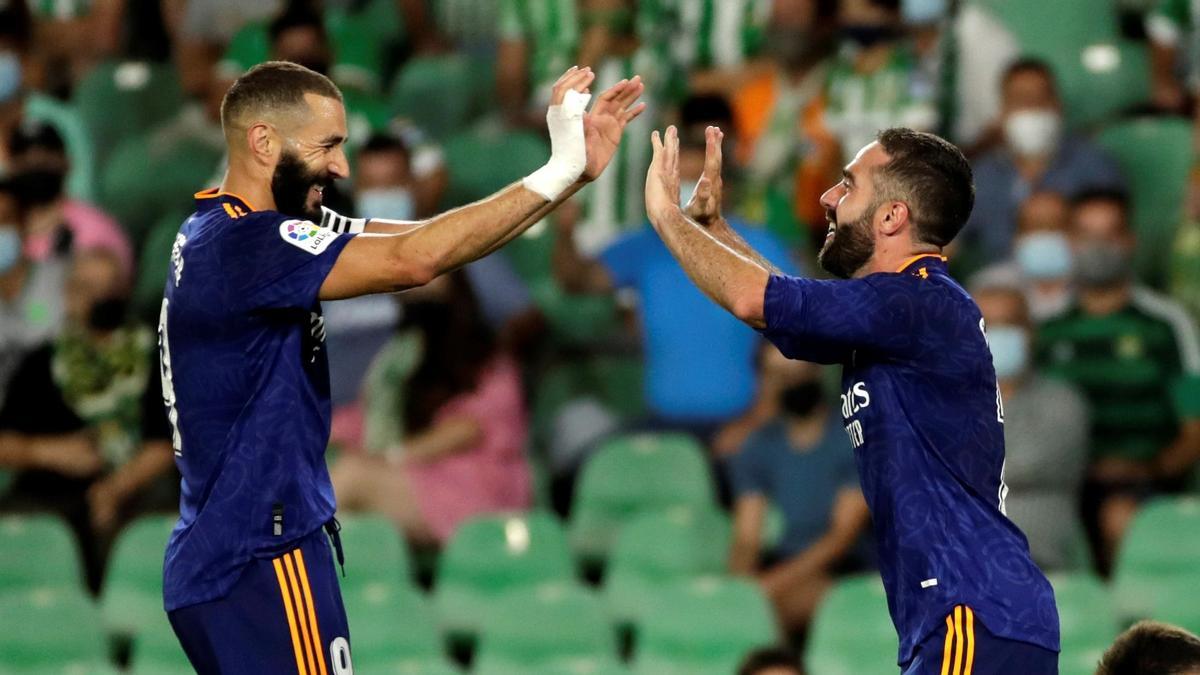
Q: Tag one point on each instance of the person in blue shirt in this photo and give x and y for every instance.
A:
(920, 401)
(249, 582)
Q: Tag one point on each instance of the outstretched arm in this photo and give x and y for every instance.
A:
(732, 279)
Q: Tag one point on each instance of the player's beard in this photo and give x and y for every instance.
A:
(850, 247)
(290, 185)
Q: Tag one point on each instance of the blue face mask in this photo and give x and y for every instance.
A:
(389, 203)
(10, 76)
(1010, 350)
(922, 12)
(10, 247)
(1044, 255)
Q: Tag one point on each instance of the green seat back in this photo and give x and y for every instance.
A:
(139, 203)
(1156, 572)
(635, 474)
(1155, 155)
(390, 624)
(708, 623)
(852, 631)
(1087, 622)
(436, 93)
(132, 593)
(662, 547)
(490, 555)
(550, 624)
(154, 263)
(375, 551)
(483, 160)
(1039, 25)
(38, 550)
(156, 649)
(50, 628)
(120, 100)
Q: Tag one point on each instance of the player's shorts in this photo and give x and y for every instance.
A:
(966, 647)
(284, 615)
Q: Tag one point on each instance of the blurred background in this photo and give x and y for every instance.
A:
(563, 459)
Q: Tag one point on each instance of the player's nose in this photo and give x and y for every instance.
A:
(339, 166)
(830, 199)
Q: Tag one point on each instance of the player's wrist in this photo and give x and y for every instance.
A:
(568, 151)
(332, 220)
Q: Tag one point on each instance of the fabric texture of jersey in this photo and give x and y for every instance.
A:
(923, 412)
(965, 646)
(246, 382)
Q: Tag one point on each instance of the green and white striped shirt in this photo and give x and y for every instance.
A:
(704, 33)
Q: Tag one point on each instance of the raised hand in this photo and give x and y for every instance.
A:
(662, 180)
(705, 205)
(603, 126)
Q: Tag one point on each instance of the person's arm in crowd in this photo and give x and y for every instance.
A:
(848, 521)
(444, 438)
(68, 454)
(1163, 27)
(749, 514)
(109, 494)
(512, 61)
(1181, 455)
(420, 26)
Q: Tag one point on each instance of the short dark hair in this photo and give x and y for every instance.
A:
(768, 657)
(1030, 64)
(1151, 647)
(383, 142)
(273, 85)
(1114, 196)
(932, 177)
(299, 15)
(703, 109)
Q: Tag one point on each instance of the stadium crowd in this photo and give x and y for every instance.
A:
(510, 385)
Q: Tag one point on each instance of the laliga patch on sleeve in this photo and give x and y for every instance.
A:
(306, 236)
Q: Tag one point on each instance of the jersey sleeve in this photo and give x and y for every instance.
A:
(824, 321)
(280, 263)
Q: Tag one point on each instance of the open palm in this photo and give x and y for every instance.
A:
(603, 126)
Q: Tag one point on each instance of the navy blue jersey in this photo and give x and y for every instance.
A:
(923, 412)
(246, 385)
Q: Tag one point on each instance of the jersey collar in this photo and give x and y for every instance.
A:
(214, 198)
(919, 263)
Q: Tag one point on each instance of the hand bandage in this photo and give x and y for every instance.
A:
(568, 153)
(332, 220)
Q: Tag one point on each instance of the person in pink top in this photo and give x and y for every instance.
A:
(465, 425)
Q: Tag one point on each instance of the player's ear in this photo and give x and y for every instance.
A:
(263, 142)
(895, 217)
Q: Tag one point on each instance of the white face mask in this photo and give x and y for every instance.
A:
(1033, 132)
(390, 203)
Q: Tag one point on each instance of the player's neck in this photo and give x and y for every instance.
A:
(249, 187)
(892, 260)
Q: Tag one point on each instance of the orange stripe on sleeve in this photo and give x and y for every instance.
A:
(291, 619)
(312, 613)
(958, 640)
(970, 641)
(946, 649)
(291, 574)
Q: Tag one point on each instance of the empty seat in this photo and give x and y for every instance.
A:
(852, 631)
(38, 550)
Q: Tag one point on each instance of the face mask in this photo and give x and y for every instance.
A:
(389, 203)
(801, 399)
(1044, 255)
(10, 76)
(1101, 264)
(1044, 305)
(922, 12)
(108, 314)
(868, 35)
(10, 247)
(1010, 350)
(1033, 133)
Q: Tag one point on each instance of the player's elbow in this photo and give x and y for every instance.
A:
(747, 306)
(410, 265)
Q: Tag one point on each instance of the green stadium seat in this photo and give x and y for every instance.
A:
(1087, 623)
(702, 626)
(1156, 156)
(156, 650)
(608, 666)
(550, 626)
(361, 39)
(1156, 575)
(1040, 26)
(38, 550)
(436, 93)
(1101, 81)
(120, 100)
(852, 631)
(490, 555)
(391, 625)
(375, 551)
(663, 547)
(132, 595)
(154, 262)
(50, 629)
(470, 160)
(635, 474)
(423, 667)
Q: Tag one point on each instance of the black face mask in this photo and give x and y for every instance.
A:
(290, 185)
(801, 399)
(868, 35)
(108, 315)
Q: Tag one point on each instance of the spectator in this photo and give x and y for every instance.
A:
(539, 39)
(801, 463)
(31, 292)
(1045, 435)
(85, 426)
(1171, 27)
(788, 156)
(39, 150)
(1037, 155)
(1135, 356)
(1041, 261)
(875, 82)
(770, 661)
(203, 28)
(687, 385)
(465, 426)
(1152, 648)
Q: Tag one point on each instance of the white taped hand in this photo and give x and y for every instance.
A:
(568, 151)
